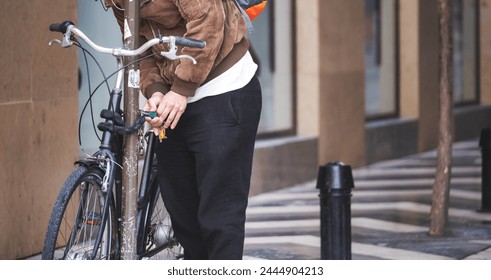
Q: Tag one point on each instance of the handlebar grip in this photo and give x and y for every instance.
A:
(60, 27)
(188, 42)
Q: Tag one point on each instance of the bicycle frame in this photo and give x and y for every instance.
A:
(146, 198)
(108, 159)
(110, 149)
(110, 153)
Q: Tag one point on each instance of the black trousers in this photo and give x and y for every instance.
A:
(205, 170)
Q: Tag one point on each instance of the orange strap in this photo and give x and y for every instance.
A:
(254, 11)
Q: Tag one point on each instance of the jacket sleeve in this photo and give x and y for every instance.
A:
(204, 21)
(150, 80)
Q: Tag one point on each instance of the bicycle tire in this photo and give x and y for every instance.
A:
(158, 230)
(76, 219)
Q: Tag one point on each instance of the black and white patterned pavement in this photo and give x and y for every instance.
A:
(390, 210)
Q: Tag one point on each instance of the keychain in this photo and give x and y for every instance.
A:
(162, 134)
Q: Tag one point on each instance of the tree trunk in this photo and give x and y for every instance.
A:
(441, 186)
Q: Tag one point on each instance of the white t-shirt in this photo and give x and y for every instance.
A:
(234, 78)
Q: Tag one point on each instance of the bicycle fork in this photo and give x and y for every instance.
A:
(108, 183)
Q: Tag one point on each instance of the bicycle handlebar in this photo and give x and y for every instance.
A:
(188, 42)
(68, 28)
(60, 27)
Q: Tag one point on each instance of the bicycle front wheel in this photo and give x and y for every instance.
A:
(75, 228)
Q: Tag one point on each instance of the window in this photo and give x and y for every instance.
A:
(272, 41)
(92, 17)
(380, 58)
(464, 24)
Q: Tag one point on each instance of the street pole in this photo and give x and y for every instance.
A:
(130, 153)
(485, 144)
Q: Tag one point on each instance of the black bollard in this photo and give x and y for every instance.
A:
(485, 144)
(335, 182)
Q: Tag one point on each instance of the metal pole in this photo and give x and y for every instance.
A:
(335, 182)
(485, 144)
(130, 153)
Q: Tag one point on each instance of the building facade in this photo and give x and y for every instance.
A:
(354, 81)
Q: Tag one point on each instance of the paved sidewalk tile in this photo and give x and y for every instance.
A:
(390, 208)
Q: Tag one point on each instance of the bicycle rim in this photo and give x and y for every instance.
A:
(77, 219)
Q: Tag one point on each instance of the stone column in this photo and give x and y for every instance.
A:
(341, 82)
(419, 68)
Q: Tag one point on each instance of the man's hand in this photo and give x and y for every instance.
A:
(169, 108)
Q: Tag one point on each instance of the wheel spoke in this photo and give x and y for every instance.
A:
(76, 219)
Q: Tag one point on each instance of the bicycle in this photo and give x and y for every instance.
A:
(86, 219)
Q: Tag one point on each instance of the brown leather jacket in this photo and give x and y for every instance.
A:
(218, 22)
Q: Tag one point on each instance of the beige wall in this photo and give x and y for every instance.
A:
(429, 75)
(330, 78)
(485, 48)
(38, 119)
(308, 77)
(341, 86)
(419, 50)
(409, 59)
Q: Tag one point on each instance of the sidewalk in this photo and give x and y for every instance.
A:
(390, 210)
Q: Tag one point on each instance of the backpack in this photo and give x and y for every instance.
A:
(250, 10)
(252, 7)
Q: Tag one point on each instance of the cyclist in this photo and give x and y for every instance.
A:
(212, 110)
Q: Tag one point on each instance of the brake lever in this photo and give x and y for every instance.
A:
(66, 40)
(172, 53)
(54, 41)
